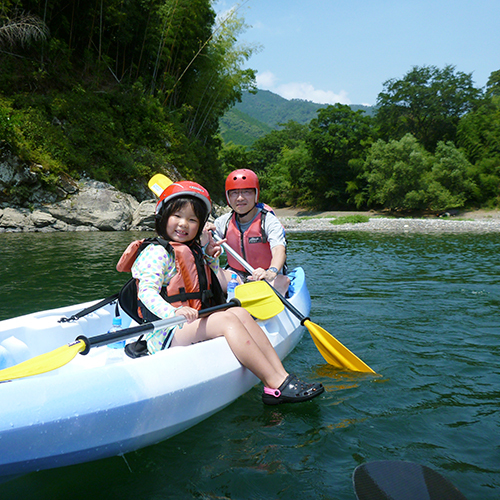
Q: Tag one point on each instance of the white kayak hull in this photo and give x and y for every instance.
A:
(106, 404)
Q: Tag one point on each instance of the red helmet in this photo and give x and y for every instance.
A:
(244, 178)
(184, 188)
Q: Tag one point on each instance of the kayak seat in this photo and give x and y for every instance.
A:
(12, 352)
(137, 349)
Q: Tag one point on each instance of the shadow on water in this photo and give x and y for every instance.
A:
(421, 310)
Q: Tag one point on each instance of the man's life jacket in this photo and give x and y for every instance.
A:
(252, 245)
(194, 285)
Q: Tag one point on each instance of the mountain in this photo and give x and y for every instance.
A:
(260, 113)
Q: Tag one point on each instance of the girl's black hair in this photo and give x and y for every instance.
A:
(172, 206)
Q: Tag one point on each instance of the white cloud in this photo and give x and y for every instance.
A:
(300, 90)
(307, 92)
(265, 80)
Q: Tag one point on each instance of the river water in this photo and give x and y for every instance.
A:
(421, 310)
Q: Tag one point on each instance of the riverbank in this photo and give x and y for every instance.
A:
(97, 206)
(467, 221)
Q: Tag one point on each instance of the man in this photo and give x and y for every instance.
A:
(254, 231)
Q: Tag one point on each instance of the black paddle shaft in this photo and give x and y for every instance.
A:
(133, 331)
(250, 269)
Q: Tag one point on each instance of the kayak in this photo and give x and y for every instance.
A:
(105, 403)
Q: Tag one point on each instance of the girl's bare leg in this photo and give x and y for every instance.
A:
(259, 337)
(245, 338)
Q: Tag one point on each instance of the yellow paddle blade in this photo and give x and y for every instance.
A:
(158, 183)
(333, 351)
(43, 363)
(258, 299)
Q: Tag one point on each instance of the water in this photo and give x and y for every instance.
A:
(420, 310)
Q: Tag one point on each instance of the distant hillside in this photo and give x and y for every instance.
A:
(264, 111)
(240, 128)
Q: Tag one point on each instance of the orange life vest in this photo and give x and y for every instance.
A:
(191, 286)
(194, 285)
(252, 244)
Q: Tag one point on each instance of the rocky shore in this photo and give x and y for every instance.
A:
(96, 206)
(477, 221)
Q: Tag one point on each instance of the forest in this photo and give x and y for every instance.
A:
(431, 144)
(118, 91)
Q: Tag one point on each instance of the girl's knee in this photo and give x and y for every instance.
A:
(230, 318)
(240, 313)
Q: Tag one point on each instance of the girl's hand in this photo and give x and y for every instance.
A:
(205, 235)
(214, 248)
(188, 312)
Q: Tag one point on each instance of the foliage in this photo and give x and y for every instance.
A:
(338, 136)
(21, 29)
(402, 175)
(241, 129)
(123, 89)
(282, 162)
(350, 219)
(233, 157)
(479, 136)
(284, 183)
(427, 103)
(267, 149)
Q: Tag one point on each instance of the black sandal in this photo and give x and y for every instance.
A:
(292, 390)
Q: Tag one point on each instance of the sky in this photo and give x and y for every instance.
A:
(342, 51)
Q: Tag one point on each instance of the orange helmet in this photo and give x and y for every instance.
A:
(184, 188)
(244, 178)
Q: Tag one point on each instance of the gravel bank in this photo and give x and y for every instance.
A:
(380, 225)
(477, 222)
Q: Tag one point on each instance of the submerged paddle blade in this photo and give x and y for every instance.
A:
(333, 351)
(158, 183)
(258, 299)
(43, 363)
(402, 481)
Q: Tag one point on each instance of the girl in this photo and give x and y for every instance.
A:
(179, 278)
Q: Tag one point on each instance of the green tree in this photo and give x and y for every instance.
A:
(478, 135)
(402, 175)
(338, 136)
(285, 182)
(427, 103)
(449, 182)
(393, 171)
(267, 149)
(479, 131)
(233, 157)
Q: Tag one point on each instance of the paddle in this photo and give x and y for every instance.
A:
(396, 480)
(158, 183)
(330, 348)
(259, 301)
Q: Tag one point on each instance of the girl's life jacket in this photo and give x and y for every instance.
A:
(194, 285)
(252, 245)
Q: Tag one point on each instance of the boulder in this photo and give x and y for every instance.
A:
(97, 205)
(144, 218)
